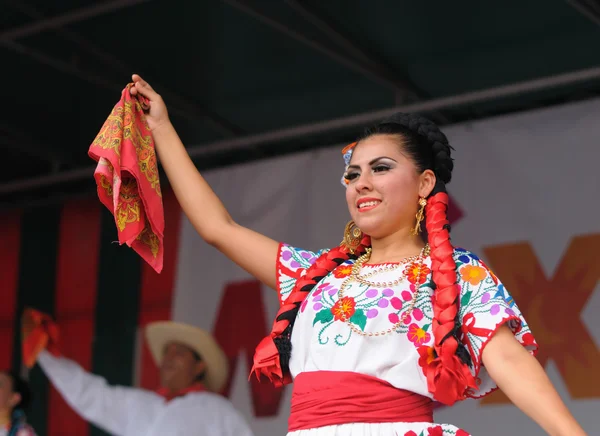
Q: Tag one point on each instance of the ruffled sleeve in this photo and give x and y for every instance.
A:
(292, 263)
(485, 306)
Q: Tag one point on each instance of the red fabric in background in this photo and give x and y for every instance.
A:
(10, 235)
(75, 302)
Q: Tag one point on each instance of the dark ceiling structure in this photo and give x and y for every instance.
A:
(251, 79)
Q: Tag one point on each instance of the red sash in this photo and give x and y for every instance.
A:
(324, 398)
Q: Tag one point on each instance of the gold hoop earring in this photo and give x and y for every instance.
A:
(420, 215)
(352, 237)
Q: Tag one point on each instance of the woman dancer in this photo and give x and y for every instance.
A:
(374, 330)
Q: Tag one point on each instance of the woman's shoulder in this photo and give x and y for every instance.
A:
(471, 268)
(463, 256)
(288, 252)
(466, 254)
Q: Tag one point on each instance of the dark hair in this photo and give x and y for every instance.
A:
(200, 377)
(449, 378)
(422, 140)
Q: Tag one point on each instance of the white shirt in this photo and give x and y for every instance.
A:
(125, 411)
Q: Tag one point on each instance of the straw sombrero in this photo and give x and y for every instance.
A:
(159, 334)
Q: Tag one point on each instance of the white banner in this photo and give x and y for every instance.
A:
(527, 186)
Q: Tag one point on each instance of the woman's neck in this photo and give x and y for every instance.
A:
(395, 248)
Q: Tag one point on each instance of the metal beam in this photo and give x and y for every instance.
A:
(179, 105)
(589, 8)
(23, 143)
(328, 28)
(89, 76)
(69, 35)
(68, 18)
(336, 124)
(427, 106)
(373, 72)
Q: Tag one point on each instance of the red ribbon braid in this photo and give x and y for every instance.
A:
(448, 378)
(267, 360)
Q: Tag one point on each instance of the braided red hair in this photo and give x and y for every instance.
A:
(448, 377)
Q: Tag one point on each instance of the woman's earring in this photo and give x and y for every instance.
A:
(420, 215)
(352, 237)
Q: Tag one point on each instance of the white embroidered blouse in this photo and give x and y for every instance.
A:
(323, 341)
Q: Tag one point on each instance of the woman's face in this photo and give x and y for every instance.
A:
(384, 186)
(8, 398)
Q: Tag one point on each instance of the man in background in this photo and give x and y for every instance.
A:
(193, 369)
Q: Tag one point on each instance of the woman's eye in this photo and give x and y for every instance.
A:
(380, 168)
(350, 176)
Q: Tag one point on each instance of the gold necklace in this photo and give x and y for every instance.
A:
(390, 267)
(354, 276)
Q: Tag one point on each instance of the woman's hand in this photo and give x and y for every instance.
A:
(158, 115)
(201, 205)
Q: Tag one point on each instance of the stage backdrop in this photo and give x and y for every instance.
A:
(524, 197)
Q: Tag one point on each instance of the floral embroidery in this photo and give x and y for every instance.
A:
(344, 308)
(407, 296)
(396, 304)
(432, 431)
(473, 274)
(494, 278)
(298, 259)
(501, 293)
(426, 356)
(465, 256)
(418, 335)
(365, 304)
(304, 304)
(412, 270)
(528, 339)
(342, 271)
(485, 305)
(292, 263)
(438, 430)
